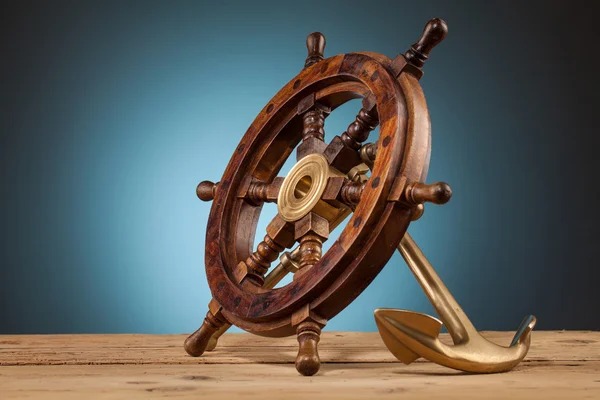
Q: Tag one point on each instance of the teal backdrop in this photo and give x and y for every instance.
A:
(113, 111)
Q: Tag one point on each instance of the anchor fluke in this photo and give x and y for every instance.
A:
(387, 323)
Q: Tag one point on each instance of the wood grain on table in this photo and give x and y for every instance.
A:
(560, 365)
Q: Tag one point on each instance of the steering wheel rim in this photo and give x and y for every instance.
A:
(377, 224)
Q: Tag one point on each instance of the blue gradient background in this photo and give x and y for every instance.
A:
(112, 112)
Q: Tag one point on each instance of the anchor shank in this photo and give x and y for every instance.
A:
(458, 324)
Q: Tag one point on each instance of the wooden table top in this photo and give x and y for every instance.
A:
(560, 365)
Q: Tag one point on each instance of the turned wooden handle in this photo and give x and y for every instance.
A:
(436, 193)
(196, 344)
(206, 190)
(315, 44)
(435, 31)
(308, 362)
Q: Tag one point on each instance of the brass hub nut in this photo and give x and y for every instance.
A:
(303, 188)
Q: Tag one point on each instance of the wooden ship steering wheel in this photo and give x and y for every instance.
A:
(328, 183)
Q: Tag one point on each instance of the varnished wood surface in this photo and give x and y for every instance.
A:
(560, 365)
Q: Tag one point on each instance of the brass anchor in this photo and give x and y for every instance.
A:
(410, 335)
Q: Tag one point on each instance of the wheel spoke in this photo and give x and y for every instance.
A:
(359, 130)
(342, 153)
(263, 192)
(280, 235)
(351, 193)
(313, 131)
(310, 231)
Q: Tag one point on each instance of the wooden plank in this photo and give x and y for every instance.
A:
(356, 366)
(242, 348)
(547, 380)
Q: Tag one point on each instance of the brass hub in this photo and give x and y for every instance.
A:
(303, 187)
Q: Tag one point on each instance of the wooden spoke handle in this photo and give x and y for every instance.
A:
(197, 342)
(436, 193)
(315, 43)
(206, 190)
(308, 361)
(435, 31)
